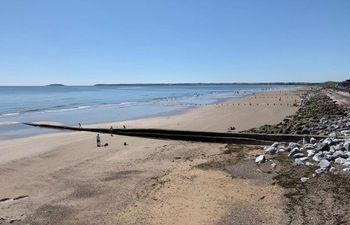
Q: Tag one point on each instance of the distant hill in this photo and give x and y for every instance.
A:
(55, 85)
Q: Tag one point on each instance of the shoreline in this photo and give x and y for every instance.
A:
(22, 132)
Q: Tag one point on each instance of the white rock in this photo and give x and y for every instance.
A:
(275, 144)
(304, 179)
(345, 132)
(303, 159)
(273, 165)
(333, 135)
(309, 146)
(339, 154)
(260, 159)
(339, 147)
(291, 145)
(271, 150)
(310, 153)
(298, 155)
(298, 162)
(347, 146)
(327, 141)
(294, 151)
(309, 164)
(332, 149)
(324, 164)
(312, 140)
(346, 169)
(318, 157)
(281, 150)
(340, 160)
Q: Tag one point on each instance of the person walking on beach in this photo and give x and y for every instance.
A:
(111, 131)
(98, 140)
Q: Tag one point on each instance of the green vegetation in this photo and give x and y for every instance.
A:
(330, 84)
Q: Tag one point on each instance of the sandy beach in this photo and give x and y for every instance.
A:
(65, 179)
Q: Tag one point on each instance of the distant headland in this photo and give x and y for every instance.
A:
(55, 85)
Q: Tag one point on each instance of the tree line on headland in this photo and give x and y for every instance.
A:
(328, 84)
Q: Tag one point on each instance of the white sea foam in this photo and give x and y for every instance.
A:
(67, 109)
(9, 114)
(7, 123)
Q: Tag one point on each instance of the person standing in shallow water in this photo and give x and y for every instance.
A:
(98, 140)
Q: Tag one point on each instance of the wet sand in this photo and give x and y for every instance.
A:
(65, 179)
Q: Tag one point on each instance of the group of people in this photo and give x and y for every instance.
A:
(98, 138)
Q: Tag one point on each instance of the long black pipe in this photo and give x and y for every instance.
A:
(200, 136)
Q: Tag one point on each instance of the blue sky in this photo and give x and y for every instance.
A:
(148, 41)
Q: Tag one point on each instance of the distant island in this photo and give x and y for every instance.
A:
(55, 85)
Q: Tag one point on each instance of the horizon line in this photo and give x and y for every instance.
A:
(185, 83)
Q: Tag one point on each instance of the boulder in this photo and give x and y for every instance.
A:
(298, 155)
(322, 147)
(260, 159)
(310, 153)
(294, 151)
(318, 156)
(324, 164)
(303, 159)
(327, 141)
(332, 169)
(312, 140)
(347, 146)
(340, 161)
(281, 150)
(271, 150)
(291, 146)
(337, 154)
(304, 179)
(339, 147)
(309, 164)
(309, 146)
(298, 162)
(275, 145)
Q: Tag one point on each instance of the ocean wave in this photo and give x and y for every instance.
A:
(67, 109)
(7, 123)
(9, 114)
(61, 108)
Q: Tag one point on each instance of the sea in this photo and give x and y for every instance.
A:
(106, 103)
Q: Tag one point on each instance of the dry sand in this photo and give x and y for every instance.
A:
(65, 179)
